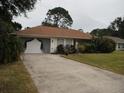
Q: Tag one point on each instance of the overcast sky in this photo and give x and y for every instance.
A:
(87, 14)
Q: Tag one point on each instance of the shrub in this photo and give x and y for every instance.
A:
(104, 45)
(89, 48)
(72, 49)
(81, 48)
(10, 49)
(60, 49)
(10, 45)
(68, 49)
(99, 45)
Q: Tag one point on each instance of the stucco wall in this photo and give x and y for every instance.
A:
(120, 46)
(53, 45)
(57, 41)
(60, 41)
(46, 45)
(69, 41)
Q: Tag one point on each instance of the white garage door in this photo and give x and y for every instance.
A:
(33, 47)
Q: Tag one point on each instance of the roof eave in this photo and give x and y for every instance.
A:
(46, 36)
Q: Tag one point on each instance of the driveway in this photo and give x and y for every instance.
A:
(55, 74)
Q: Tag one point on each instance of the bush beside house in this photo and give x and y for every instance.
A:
(68, 49)
(10, 45)
(104, 45)
(99, 45)
(81, 48)
(60, 49)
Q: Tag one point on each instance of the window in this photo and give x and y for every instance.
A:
(69, 41)
(60, 42)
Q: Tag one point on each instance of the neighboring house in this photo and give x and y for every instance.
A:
(46, 39)
(119, 42)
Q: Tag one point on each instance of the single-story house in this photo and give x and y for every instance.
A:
(46, 39)
(119, 42)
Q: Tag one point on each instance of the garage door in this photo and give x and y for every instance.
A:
(33, 47)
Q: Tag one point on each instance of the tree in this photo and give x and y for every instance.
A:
(10, 8)
(117, 26)
(58, 17)
(17, 26)
(10, 45)
(104, 45)
(116, 29)
(102, 32)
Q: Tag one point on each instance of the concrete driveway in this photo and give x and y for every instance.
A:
(54, 74)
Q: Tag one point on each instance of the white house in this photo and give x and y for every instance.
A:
(119, 42)
(43, 39)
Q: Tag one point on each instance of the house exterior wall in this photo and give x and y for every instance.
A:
(60, 41)
(119, 46)
(76, 44)
(69, 41)
(46, 45)
(53, 45)
(54, 42)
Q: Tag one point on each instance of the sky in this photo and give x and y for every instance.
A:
(86, 14)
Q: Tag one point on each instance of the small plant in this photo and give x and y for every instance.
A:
(73, 49)
(81, 48)
(60, 49)
(68, 49)
(90, 48)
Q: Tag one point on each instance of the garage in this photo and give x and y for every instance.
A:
(33, 46)
(38, 46)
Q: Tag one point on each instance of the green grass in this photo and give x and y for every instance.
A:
(113, 61)
(14, 78)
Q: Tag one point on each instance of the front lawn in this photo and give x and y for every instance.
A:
(113, 61)
(14, 78)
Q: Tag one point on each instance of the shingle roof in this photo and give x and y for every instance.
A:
(116, 39)
(49, 32)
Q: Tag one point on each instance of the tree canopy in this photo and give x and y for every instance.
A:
(116, 28)
(10, 8)
(10, 45)
(102, 32)
(17, 26)
(58, 17)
